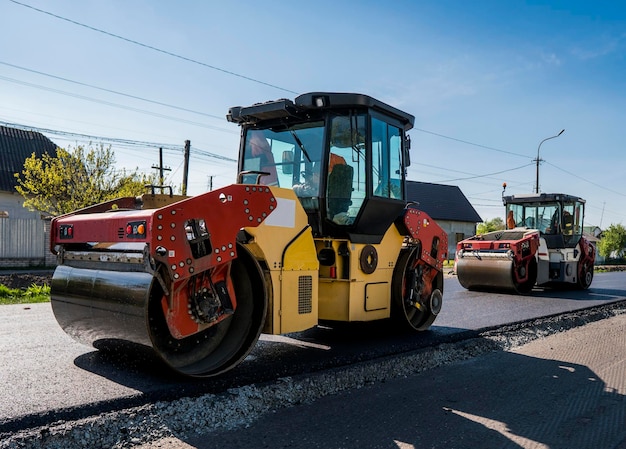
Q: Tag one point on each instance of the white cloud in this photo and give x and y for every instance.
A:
(600, 47)
(551, 59)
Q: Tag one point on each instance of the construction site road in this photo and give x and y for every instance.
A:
(62, 394)
(564, 391)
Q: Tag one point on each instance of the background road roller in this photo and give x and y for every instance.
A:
(316, 228)
(543, 245)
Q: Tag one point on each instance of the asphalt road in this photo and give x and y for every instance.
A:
(46, 376)
(564, 391)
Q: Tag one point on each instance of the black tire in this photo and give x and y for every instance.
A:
(406, 281)
(527, 286)
(224, 345)
(585, 275)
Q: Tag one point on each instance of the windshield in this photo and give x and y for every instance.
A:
(549, 218)
(291, 157)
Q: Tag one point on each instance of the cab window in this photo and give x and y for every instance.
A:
(346, 182)
(386, 160)
(291, 157)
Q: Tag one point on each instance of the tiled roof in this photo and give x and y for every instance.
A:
(16, 146)
(442, 202)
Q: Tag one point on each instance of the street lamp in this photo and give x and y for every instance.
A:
(537, 160)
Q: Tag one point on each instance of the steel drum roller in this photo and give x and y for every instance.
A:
(98, 307)
(92, 305)
(485, 273)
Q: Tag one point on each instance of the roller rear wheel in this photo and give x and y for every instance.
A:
(222, 346)
(527, 285)
(585, 275)
(414, 303)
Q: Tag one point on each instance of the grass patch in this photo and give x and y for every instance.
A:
(33, 294)
(448, 263)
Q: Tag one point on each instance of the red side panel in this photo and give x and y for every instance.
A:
(434, 239)
(224, 212)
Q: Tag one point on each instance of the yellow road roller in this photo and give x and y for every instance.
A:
(316, 228)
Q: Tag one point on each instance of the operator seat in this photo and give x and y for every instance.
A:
(340, 193)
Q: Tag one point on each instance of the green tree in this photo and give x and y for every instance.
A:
(76, 178)
(495, 224)
(613, 241)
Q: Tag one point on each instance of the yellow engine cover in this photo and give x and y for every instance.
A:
(284, 242)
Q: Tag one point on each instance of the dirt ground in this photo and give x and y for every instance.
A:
(25, 280)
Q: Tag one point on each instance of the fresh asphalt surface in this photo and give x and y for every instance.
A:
(46, 376)
(563, 391)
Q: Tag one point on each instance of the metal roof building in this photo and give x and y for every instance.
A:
(442, 202)
(448, 206)
(16, 146)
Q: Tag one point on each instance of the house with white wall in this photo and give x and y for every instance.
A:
(24, 234)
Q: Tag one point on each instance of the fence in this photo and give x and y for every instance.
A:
(24, 243)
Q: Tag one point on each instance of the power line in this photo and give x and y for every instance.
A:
(150, 47)
(488, 174)
(213, 155)
(87, 136)
(441, 168)
(472, 175)
(470, 143)
(586, 180)
(116, 105)
(111, 91)
(115, 140)
(447, 169)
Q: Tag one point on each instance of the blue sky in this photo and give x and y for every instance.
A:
(486, 80)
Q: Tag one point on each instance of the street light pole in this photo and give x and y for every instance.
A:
(538, 160)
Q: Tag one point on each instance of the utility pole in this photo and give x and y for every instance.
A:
(186, 168)
(538, 159)
(602, 216)
(210, 184)
(160, 167)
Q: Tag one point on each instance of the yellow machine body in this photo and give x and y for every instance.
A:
(301, 291)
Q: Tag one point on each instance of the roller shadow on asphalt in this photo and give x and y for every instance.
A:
(323, 347)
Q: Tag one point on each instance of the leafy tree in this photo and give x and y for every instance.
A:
(74, 179)
(613, 241)
(495, 224)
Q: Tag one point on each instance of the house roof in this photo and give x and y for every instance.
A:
(442, 202)
(16, 146)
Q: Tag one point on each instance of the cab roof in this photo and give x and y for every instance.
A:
(305, 105)
(540, 198)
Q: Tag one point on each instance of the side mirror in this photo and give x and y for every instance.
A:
(287, 162)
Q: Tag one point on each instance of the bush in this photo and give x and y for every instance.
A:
(614, 261)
